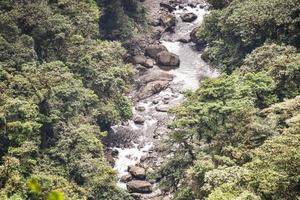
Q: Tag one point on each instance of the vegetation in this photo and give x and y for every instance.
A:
(121, 18)
(244, 25)
(61, 88)
(238, 135)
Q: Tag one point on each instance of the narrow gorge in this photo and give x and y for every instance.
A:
(168, 66)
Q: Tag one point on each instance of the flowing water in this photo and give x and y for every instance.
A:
(191, 71)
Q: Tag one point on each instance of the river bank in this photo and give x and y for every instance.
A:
(167, 63)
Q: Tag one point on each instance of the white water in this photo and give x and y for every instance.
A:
(128, 157)
(192, 67)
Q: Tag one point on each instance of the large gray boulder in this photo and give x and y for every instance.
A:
(137, 172)
(188, 17)
(157, 75)
(166, 58)
(152, 88)
(152, 83)
(139, 119)
(126, 178)
(154, 49)
(139, 186)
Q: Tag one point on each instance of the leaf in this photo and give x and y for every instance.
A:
(34, 186)
(55, 195)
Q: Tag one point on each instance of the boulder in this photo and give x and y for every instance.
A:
(157, 75)
(137, 186)
(137, 196)
(188, 17)
(139, 119)
(166, 58)
(138, 59)
(142, 60)
(192, 5)
(154, 22)
(137, 172)
(152, 83)
(149, 63)
(152, 88)
(167, 20)
(193, 35)
(184, 40)
(109, 157)
(162, 108)
(167, 6)
(153, 50)
(155, 101)
(126, 178)
(140, 108)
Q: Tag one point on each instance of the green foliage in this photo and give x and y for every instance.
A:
(34, 186)
(240, 132)
(244, 25)
(217, 4)
(121, 18)
(55, 196)
(58, 83)
(281, 63)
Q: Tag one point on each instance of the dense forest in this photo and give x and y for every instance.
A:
(64, 83)
(238, 136)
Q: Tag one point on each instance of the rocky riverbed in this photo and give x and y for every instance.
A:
(167, 63)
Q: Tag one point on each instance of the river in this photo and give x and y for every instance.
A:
(187, 76)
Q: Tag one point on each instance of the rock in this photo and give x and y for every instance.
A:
(142, 60)
(126, 178)
(193, 35)
(152, 88)
(167, 20)
(114, 153)
(139, 59)
(140, 108)
(184, 40)
(155, 101)
(120, 136)
(153, 50)
(140, 69)
(166, 101)
(109, 157)
(137, 172)
(154, 22)
(162, 108)
(167, 97)
(149, 63)
(192, 5)
(157, 75)
(137, 186)
(139, 120)
(137, 196)
(143, 158)
(153, 82)
(167, 6)
(166, 58)
(188, 17)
